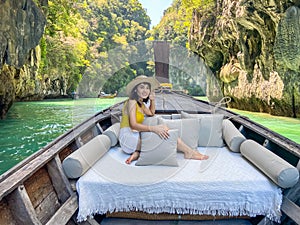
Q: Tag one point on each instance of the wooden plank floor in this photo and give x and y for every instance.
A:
(118, 221)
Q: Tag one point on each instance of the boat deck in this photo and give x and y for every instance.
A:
(36, 191)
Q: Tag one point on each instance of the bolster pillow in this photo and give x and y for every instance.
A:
(77, 163)
(113, 133)
(277, 169)
(232, 136)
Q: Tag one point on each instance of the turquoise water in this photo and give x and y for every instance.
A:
(31, 125)
(286, 126)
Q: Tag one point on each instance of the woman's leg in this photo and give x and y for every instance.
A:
(188, 152)
(136, 154)
(130, 143)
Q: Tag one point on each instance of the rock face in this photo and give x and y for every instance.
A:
(253, 47)
(21, 28)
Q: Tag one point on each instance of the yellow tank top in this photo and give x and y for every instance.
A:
(125, 118)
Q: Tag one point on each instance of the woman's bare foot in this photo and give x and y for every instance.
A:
(134, 156)
(195, 155)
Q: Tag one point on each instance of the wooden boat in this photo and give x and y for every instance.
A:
(74, 95)
(37, 191)
(103, 95)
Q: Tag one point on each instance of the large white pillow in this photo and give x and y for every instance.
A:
(232, 136)
(158, 151)
(151, 120)
(77, 163)
(188, 129)
(277, 169)
(210, 131)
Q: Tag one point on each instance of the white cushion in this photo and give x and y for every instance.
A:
(77, 163)
(176, 116)
(158, 151)
(277, 169)
(113, 133)
(232, 136)
(168, 117)
(188, 129)
(151, 120)
(210, 131)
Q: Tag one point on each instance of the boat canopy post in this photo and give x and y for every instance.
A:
(161, 58)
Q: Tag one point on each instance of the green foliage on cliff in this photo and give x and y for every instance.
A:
(79, 37)
(112, 24)
(173, 26)
(63, 46)
(176, 22)
(195, 5)
(79, 34)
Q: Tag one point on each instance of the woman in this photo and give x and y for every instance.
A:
(140, 91)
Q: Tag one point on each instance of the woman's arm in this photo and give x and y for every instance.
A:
(151, 110)
(161, 130)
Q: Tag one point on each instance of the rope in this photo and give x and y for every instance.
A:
(225, 100)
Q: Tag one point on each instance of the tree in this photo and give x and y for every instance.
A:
(113, 24)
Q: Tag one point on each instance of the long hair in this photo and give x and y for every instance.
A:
(134, 96)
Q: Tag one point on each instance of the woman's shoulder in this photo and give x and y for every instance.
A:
(132, 103)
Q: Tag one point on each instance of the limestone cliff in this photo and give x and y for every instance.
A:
(253, 48)
(21, 27)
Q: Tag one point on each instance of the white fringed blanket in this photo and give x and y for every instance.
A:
(226, 184)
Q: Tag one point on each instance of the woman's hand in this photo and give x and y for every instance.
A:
(151, 110)
(152, 96)
(162, 131)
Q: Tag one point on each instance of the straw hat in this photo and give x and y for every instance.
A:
(142, 79)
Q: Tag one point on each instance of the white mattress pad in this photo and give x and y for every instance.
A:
(225, 184)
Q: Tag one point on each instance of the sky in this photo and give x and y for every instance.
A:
(155, 9)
